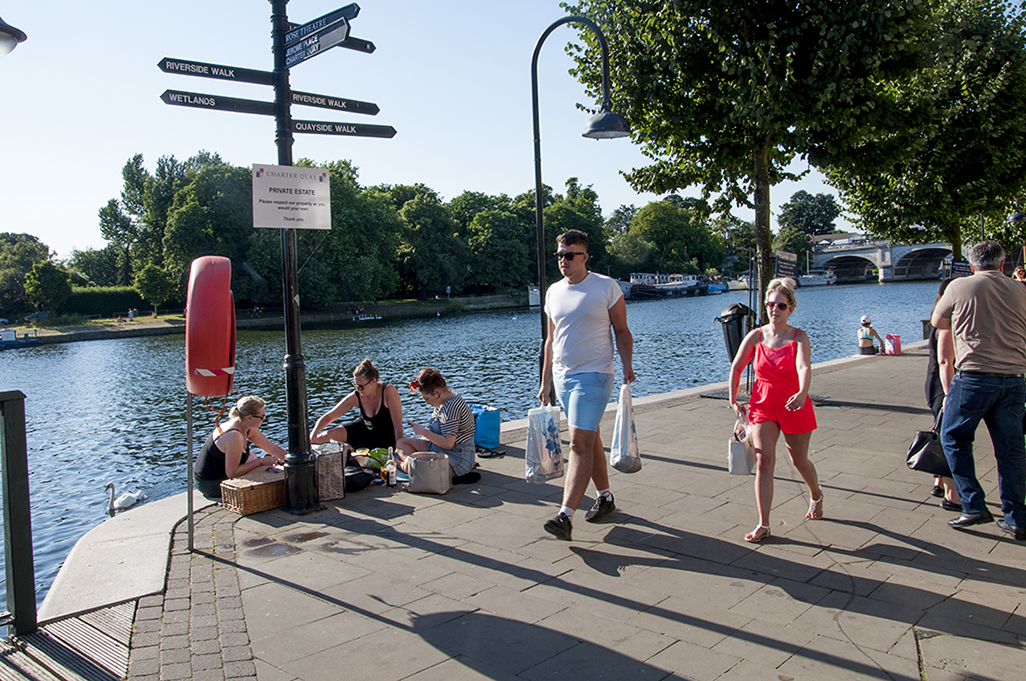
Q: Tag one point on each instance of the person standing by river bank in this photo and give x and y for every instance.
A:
(578, 360)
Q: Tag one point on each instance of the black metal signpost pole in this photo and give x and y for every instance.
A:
(300, 467)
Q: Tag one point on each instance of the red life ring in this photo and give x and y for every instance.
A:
(210, 328)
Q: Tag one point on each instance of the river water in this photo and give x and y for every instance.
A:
(114, 411)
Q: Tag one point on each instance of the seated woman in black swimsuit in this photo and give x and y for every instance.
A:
(381, 413)
(226, 453)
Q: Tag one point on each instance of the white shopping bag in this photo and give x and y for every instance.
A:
(741, 458)
(623, 454)
(544, 455)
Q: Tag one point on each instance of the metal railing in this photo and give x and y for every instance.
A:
(21, 573)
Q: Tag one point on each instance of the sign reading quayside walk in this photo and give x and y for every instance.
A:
(291, 197)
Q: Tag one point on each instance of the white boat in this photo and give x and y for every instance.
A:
(682, 285)
(817, 278)
(738, 284)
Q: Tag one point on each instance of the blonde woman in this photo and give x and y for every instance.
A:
(780, 400)
(226, 453)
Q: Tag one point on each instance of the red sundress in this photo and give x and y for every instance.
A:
(776, 379)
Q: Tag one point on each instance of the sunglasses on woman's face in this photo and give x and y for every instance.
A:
(779, 306)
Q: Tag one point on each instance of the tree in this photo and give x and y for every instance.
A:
(47, 285)
(724, 95)
(629, 253)
(810, 214)
(154, 285)
(963, 131)
(118, 228)
(18, 254)
(99, 267)
(499, 242)
(431, 255)
(679, 231)
(620, 221)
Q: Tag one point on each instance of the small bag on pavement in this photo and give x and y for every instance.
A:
(926, 453)
(740, 450)
(623, 454)
(543, 457)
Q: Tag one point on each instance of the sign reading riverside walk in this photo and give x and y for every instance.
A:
(291, 197)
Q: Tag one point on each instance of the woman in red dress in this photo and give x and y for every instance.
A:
(780, 401)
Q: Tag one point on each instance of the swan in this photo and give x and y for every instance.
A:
(126, 500)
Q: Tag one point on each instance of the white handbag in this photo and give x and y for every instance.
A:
(740, 450)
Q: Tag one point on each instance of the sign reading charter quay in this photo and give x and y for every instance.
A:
(291, 197)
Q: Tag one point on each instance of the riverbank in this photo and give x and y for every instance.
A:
(272, 320)
(468, 586)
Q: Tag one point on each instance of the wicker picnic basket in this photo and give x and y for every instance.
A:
(254, 492)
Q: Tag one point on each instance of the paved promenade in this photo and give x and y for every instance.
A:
(389, 585)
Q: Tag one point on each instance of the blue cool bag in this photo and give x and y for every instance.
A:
(488, 420)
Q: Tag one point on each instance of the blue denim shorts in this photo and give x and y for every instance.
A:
(584, 398)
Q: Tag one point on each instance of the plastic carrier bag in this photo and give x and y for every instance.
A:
(544, 455)
(623, 454)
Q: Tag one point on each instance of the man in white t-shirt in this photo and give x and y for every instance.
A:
(578, 361)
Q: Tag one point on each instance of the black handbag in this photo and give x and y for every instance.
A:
(926, 453)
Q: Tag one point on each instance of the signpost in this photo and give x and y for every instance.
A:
(291, 45)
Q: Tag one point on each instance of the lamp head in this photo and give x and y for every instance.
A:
(607, 125)
(9, 37)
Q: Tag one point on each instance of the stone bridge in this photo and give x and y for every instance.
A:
(893, 262)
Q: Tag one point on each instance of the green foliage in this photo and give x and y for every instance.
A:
(47, 285)
(629, 253)
(98, 267)
(680, 233)
(105, 301)
(154, 285)
(723, 95)
(431, 255)
(962, 135)
(18, 254)
(810, 214)
(620, 221)
(502, 261)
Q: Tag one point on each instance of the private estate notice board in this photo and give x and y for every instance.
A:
(291, 197)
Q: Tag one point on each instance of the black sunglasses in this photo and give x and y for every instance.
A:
(779, 306)
(567, 255)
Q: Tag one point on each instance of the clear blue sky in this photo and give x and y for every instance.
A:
(82, 95)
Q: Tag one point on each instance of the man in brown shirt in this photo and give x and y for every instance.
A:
(987, 316)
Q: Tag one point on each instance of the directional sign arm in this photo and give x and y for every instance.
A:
(358, 44)
(335, 103)
(198, 100)
(219, 71)
(348, 129)
(347, 13)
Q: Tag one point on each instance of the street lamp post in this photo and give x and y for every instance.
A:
(9, 37)
(603, 125)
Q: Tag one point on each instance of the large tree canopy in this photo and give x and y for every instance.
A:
(963, 131)
(810, 214)
(724, 94)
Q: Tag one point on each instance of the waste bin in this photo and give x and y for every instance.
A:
(737, 320)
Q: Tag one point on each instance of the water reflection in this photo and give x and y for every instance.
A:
(114, 411)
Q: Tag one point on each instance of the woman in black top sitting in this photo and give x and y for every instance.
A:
(226, 453)
(381, 413)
